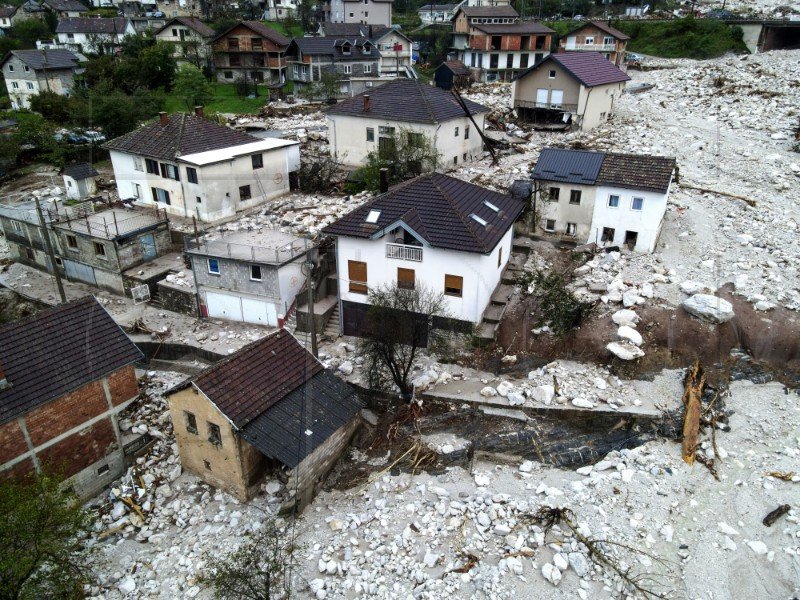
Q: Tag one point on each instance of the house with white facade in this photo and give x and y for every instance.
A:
(30, 72)
(64, 9)
(249, 276)
(370, 121)
(190, 166)
(79, 180)
(394, 47)
(280, 10)
(575, 88)
(437, 13)
(366, 12)
(436, 231)
(605, 198)
(7, 14)
(93, 35)
(190, 37)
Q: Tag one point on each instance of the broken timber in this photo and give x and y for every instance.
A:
(693, 392)
(748, 201)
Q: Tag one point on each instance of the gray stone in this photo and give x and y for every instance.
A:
(708, 307)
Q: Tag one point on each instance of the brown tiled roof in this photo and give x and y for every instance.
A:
(603, 27)
(589, 68)
(250, 381)
(193, 23)
(260, 29)
(638, 172)
(489, 11)
(6, 12)
(518, 28)
(456, 66)
(66, 5)
(407, 100)
(183, 134)
(58, 351)
(438, 208)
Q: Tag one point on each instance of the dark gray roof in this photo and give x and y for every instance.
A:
(330, 46)
(183, 134)
(59, 351)
(632, 171)
(320, 406)
(407, 100)
(65, 5)
(45, 59)
(6, 12)
(569, 166)
(80, 171)
(438, 209)
(92, 25)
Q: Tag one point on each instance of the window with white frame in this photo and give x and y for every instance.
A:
(15, 85)
(367, 68)
(29, 85)
(637, 203)
(348, 69)
(572, 229)
(550, 225)
(137, 163)
(613, 201)
(213, 266)
(552, 74)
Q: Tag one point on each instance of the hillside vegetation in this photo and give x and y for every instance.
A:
(683, 38)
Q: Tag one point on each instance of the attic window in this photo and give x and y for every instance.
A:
(478, 219)
(373, 216)
(490, 205)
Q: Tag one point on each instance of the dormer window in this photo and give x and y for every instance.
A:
(490, 205)
(346, 49)
(373, 216)
(478, 220)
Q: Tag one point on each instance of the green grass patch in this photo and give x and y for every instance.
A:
(683, 38)
(225, 101)
(291, 30)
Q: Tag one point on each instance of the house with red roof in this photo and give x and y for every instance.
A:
(571, 88)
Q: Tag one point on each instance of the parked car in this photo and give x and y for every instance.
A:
(94, 137)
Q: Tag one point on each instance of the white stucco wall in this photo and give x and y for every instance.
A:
(217, 184)
(347, 136)
(480, 272)
(646, 222)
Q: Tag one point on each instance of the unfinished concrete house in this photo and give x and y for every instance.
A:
(270, 408)
(65, 376)
(248, 276)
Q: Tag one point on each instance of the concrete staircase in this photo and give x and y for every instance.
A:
(487, 330)
(332, 326)
(291, 323)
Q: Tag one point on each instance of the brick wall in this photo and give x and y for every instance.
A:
(122, 385)
(12, 441)
(54, 418)
(74, 453)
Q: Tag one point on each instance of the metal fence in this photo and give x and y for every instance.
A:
(247, 252)
(111, 226)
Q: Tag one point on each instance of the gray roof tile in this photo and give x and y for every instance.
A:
(46, 59)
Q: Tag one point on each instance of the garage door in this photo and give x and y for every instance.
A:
(258, 311)
(235, 308)
(79, 272)
(223, 306)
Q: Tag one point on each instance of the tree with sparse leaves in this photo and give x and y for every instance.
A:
(258, 570)
(397, 326)
(407, 154)
(42, 529)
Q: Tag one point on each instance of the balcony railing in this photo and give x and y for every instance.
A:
(593, 47)
(403, 252)
(549, 105)
(246, 252)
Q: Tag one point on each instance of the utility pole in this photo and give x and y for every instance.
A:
(310, 285)
(50, 253)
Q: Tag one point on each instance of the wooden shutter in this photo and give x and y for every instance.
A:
(405, 279)
(357, 273)
(453, 285)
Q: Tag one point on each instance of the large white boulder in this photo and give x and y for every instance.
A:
(630, 334)
(708, 307)
(625, 317)
(624, 350)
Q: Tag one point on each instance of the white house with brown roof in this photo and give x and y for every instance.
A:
(436, 231)
(190, 166)
(190, 37)
(93, 35)
(605, 198)
(596, 36)
(371, 121)
(574, 88)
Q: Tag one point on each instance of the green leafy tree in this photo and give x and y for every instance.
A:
(406, 155)
(53, 107)
(325, 89)
(42, 528)
(192, 87)
(115, 111)
(157, 66)
(133, 45)
(30, 30)
(99, 69)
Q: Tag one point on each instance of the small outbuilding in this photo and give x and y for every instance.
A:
(452, 74)
(79, 180)
(270, 408)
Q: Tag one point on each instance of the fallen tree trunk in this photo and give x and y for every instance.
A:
(693, 392)
(749, 201)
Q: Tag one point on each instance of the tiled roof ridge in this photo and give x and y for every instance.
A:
(457, 210)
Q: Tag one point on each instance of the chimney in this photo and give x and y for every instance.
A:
(366, 102)
(198, 111)
(163, 118)
(384, 183)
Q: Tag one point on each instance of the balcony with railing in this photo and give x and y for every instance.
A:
(404, 252)
(592, 47)
(519, 103)
(270, 247)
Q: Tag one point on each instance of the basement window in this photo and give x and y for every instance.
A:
(373, 216)
(103, 470)
(214, 434)
(479, 220)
